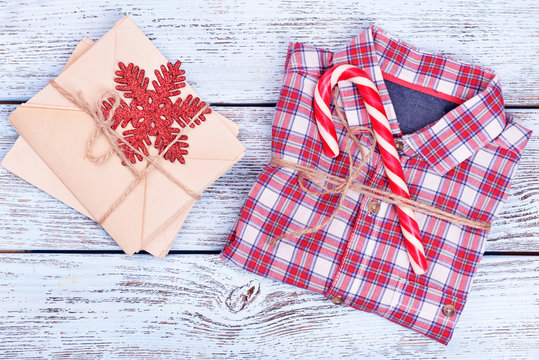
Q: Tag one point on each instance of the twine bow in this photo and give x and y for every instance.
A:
(104, 127)
(340, 186)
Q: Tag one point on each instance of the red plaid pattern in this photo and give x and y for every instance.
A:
(461, 163)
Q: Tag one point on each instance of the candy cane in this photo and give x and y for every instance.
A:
(386, 144)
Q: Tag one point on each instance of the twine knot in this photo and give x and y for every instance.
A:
(331, 184)
(104, 127)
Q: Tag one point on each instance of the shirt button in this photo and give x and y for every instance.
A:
(399, 145)
(373, 207)
(448, 310)
(337, 300)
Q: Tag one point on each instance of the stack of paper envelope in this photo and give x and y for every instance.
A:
(51, 152)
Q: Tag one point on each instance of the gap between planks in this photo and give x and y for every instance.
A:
(202, 252)
(272, 104)
(21, 201)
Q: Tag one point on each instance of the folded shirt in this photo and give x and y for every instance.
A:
(458, 149)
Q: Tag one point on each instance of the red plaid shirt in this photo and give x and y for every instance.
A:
(462, 163)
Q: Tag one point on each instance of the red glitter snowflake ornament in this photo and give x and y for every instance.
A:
(152, 113)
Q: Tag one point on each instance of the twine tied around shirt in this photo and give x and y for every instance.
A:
(104, 128)
(331, 184)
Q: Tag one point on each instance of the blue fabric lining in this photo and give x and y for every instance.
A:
(415, 109)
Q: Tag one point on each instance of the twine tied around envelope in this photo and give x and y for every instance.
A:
(340, 186)
(104, 127)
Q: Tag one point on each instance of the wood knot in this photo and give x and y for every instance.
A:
(241, 296)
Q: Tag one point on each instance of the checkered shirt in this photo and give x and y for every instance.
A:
(462, 163)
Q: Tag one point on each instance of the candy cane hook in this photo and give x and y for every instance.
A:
(386, 145)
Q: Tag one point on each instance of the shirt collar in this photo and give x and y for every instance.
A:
(447, 142)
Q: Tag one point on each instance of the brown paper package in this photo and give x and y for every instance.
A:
(51, 152)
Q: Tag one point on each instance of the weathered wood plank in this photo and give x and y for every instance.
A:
(111, 306)
(31, 219)
(234, 51)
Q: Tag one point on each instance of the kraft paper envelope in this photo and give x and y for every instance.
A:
(58, 131)
(22, 161)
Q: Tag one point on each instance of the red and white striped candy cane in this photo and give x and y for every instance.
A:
(386, 144)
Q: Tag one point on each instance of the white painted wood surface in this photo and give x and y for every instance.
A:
(83, 305)
(241, 45)
(31, 219)
(108, 306)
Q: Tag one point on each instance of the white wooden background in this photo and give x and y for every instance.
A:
(66, 291)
